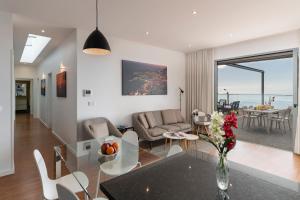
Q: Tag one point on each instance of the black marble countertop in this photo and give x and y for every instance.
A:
(183, 177)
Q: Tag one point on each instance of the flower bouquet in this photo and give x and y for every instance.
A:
(223, 139)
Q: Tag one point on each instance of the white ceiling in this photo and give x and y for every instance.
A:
(170, 23)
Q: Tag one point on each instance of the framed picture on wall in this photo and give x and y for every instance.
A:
(61, 84)
(144, 79)
(43, 87)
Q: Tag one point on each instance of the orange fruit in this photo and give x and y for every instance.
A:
(115, 146)
(110, 150)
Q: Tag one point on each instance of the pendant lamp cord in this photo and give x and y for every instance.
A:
(97, 14)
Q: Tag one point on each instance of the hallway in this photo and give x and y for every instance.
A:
(25, 184)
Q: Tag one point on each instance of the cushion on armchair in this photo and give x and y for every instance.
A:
(143, 120)
(169, 116)
(99, 129)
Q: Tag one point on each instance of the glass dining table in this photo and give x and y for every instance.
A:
(86, 157)
(182, 176)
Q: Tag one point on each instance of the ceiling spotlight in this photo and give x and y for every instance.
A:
(194, 12)
(189, 45)
(147, 33)
(231, 35)
(43, 31)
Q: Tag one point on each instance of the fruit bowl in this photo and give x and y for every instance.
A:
(108, 151)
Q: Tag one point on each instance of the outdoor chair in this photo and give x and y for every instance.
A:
(281, 119)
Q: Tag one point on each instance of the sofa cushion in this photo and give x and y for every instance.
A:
(99, 129)
(155, 132)
(169, 116)
(183, 126)
(170, 127)
(150, 119)
(158, 117)
(143, 120)
(178, 116)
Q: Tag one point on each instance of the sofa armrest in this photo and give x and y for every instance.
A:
(140, 129)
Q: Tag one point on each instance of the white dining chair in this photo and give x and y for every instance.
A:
(131, 137)
(49, 185)
(66, 194)
(117, 167)
(175, 149)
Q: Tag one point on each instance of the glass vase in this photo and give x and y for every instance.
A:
(222, 173)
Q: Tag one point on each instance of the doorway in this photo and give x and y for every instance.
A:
(263, 89)
(23, 96)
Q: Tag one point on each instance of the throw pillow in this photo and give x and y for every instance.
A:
(143, 120)
(99, 130)
(169, 116)
(151, 119)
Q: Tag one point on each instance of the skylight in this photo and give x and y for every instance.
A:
(33, 47)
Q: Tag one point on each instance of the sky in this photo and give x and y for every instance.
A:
(278, 78)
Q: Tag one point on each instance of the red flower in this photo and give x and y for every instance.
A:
(230, 120)
(229, 133)
(230, 145)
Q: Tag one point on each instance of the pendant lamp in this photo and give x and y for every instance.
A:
(96, 43)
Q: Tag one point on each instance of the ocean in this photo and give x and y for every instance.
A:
(281, 101)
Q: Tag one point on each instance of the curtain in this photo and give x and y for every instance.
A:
(199, 81)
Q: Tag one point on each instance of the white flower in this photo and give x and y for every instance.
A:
(216, 125)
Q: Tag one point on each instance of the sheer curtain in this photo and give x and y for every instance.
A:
(199, 81)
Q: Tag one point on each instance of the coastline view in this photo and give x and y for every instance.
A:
(245, 85)
(281, 101)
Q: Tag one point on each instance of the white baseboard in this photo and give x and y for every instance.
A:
(8, 172)
(44, 123)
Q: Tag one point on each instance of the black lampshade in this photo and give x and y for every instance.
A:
(96, 44)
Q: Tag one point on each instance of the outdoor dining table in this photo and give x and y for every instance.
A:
(268, 113)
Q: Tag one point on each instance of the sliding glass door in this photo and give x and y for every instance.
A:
(259, 85)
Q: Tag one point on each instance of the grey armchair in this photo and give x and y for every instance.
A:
(90, 123)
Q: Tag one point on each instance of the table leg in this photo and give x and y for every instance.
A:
(268, 125)
(206, 130)
(166, 141)
(98, 182)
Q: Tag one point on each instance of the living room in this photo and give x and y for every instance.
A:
(157, 76)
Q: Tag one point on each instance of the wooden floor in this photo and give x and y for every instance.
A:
(274, 161)
(25, 184)
(31, 134)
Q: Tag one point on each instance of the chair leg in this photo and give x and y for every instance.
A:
(289, 124)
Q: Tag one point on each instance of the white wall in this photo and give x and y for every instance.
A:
(102, 74)
(64, 115)
(262, 45)
(27, 72)
(6, 97)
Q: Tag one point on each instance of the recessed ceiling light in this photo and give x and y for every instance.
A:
(33, 47)
(230, 35)
(147, 33)
(43, 31)
(194, 12)
(189, 45)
